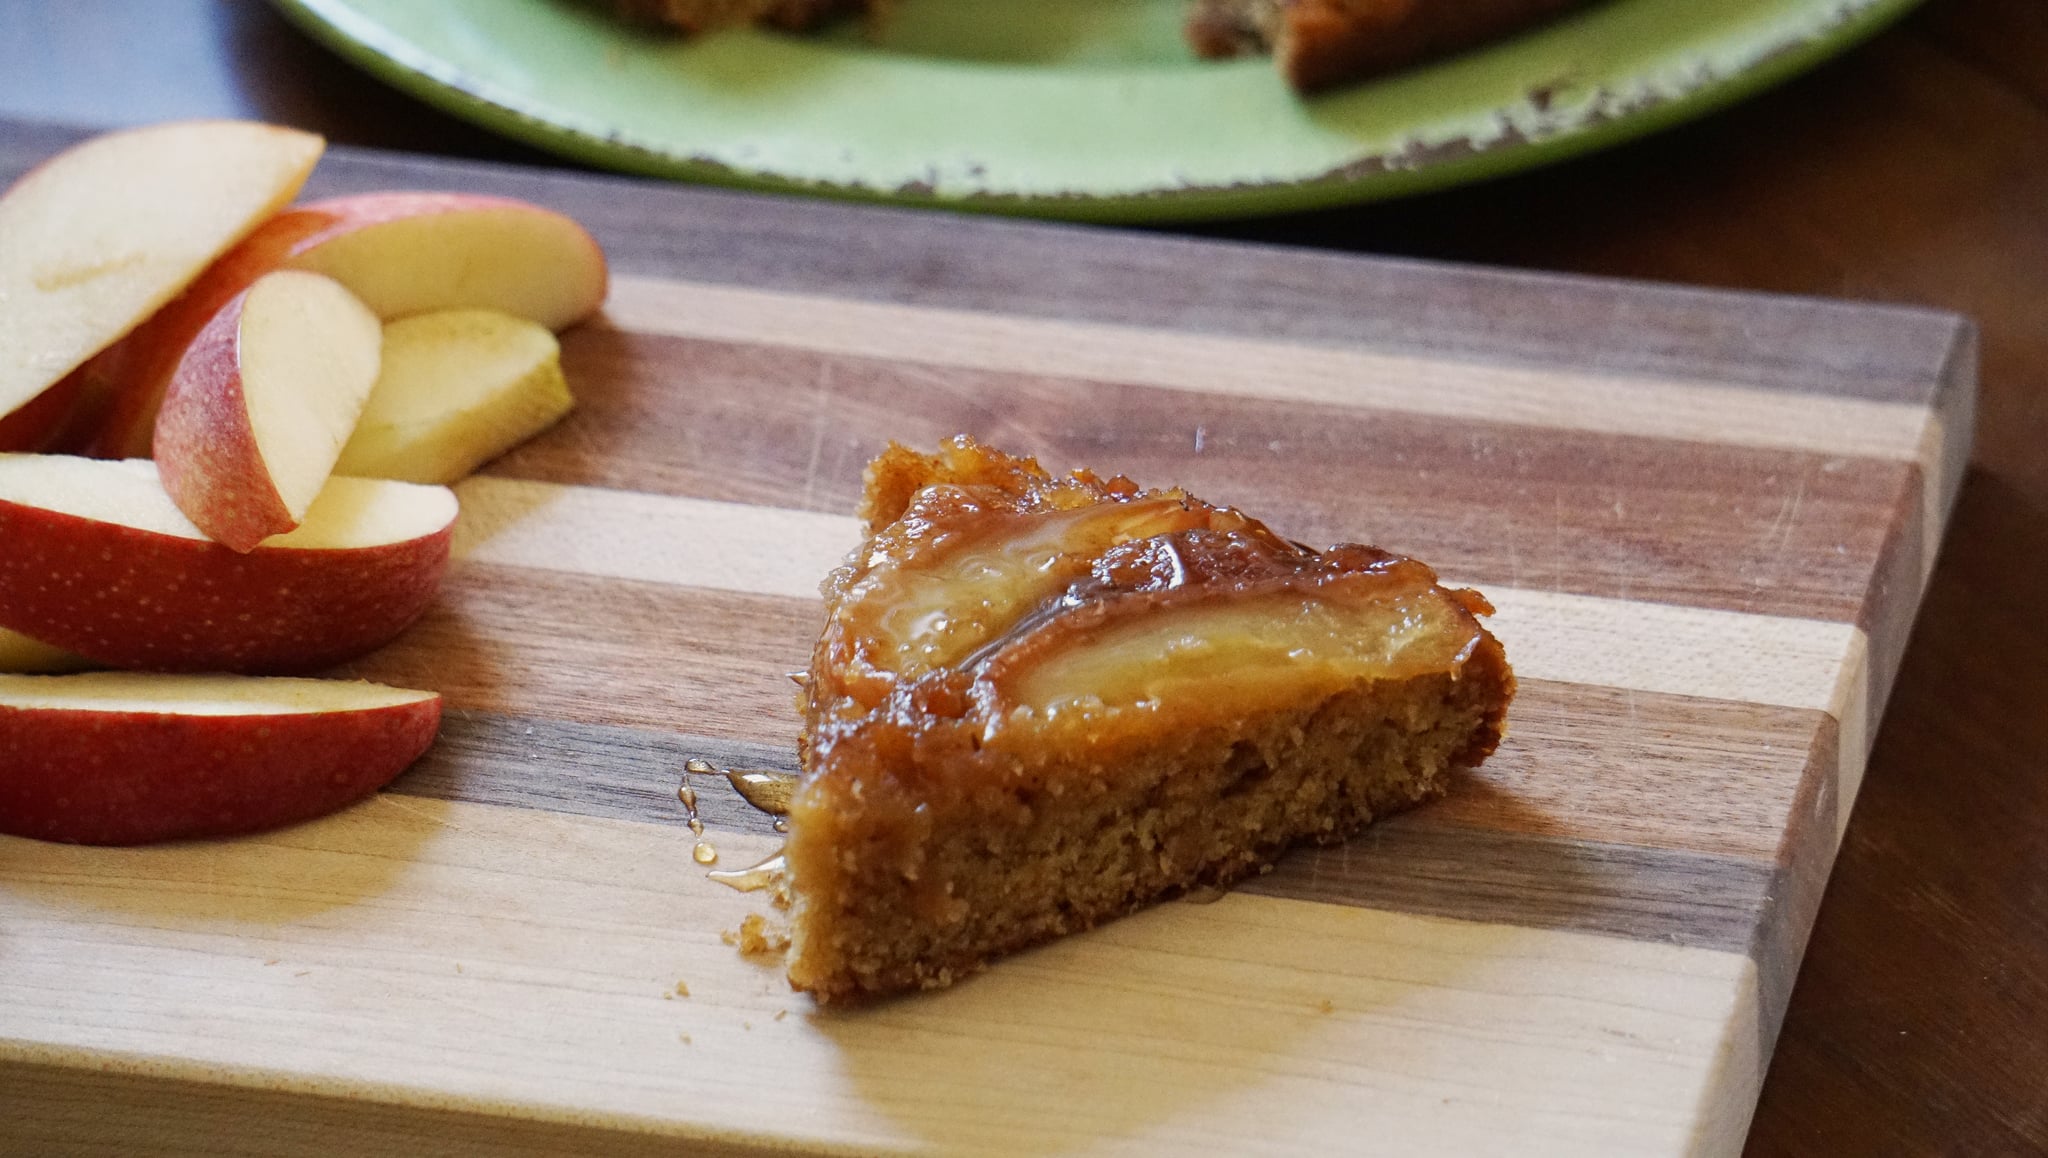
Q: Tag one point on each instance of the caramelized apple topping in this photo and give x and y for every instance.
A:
(997, 592)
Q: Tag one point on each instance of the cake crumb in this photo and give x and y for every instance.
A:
(684, 1038)
(1326, 1006)
(682, 990)
(272, 961)
(755, 937)
(781, 1013)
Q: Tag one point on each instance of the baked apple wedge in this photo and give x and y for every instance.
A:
(261, 405)
(99, 562)
(124, 758)
(1040, 702)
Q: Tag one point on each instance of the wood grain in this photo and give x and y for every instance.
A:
(1773, 532)
(1911, 171)
(1534, 805)
(781, 554)
(1704, 571)
(404, 931)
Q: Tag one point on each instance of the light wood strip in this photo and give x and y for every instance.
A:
(469, 958)
(769, 551)
(1279, 371)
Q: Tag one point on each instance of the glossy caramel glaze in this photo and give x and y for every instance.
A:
(989, 587)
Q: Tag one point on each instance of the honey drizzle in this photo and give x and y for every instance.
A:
(767, 791)
(702, 852)
(764, 789)
(753, 878)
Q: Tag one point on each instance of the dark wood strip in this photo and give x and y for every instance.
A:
(1538, 882)
(65, 1110)
(602, 770)
(1891, 597)
(1420, 863)
(1090, 274)
(1753, 530)
(1805, 856)
(1580, 762)
(1645, 769)
(584, 649)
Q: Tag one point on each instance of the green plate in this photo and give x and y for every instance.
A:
(1088, 109)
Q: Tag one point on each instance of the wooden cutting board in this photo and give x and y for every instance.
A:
(1706, 519)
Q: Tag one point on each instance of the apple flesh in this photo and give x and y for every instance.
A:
(22, 655)
(100, 236)
(99, 562)
(457, 389)
(262, 404)
(118, 758)
(401, 253)
(413, 253)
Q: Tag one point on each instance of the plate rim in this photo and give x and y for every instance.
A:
(398, 62)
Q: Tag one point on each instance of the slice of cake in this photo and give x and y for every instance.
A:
(1316, 43)
(1042, 702)
(705, 15)
(1320, 43)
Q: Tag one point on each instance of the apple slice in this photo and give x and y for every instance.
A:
(458, 388)
(99, 562)
(98, 237)
(122, 758)
(19, 653)
(262, 404)
(402, 253)
(412, 253)
(42, 419)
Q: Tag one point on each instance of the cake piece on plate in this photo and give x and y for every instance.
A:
(1042, 702)
(1320, 43)
(705, 15)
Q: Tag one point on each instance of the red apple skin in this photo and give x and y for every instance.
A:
(119, 778)
(38, 423)
(132, 375)
(128, 379)
(205, 448)
(135, 599)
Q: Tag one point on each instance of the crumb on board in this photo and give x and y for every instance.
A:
(682, 990)
(781, 1013)
(755, 937)
(684, 1038)
(1326, 1006)
(273, 961)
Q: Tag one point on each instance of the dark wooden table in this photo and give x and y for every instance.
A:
(1913, 170)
